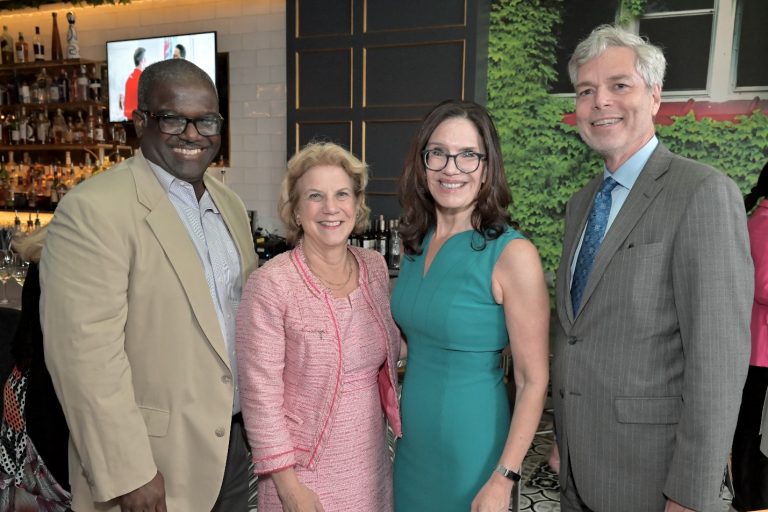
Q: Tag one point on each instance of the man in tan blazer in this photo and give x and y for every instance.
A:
(141, 277)
(654, 296)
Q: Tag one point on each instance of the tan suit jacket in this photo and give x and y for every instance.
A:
(132, 340)
(647, 375)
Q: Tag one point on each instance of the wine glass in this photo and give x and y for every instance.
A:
(6, 268)
(19, 270)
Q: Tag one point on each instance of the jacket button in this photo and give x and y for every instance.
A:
(220, 432)
(572, 340)
(226, 379)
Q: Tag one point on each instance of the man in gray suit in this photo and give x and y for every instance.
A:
(654, 295)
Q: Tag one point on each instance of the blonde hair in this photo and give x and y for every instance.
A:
(30, 246)
(314, 154)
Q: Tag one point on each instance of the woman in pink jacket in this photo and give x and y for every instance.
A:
(750, 466)
(317, 349)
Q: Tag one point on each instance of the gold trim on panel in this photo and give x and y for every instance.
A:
(463, 43)
(365, 76)
(381, 194)
(425, 27)
(351, 77)
(333, 34)
(296, 14)
(324, 121)
(297, 78)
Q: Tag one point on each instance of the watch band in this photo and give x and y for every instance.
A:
(507, 473)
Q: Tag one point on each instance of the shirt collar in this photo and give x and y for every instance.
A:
(168, 180)
(628, 172)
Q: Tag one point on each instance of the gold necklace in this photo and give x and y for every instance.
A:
(329, 284)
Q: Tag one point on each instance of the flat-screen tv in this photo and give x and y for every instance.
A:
(127, 57)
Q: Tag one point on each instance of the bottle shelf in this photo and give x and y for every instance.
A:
(47, 64)
(62, 147)
(67, 106)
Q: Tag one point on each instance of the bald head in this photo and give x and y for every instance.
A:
(170, 72)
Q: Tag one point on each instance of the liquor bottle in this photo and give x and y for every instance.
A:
(23, 126)
(381, 237)
(22, 49)
(30, 223)
(59, 127)
(393, 259)
(25, 95)
(37, 220)
(73, 47)
(73, 92)
(78, 131)
(43, 84)
(94, 86)
(16, 221)
(7, 47)
(90, 126)
(56, 52)
(15, 130)
(82, 84)
(99, 134)
(62, 82)
(5, 129)
(69, 132)
(53, 90)
(37, 46)
(43, 127)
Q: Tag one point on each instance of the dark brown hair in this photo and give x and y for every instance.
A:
(490, 217)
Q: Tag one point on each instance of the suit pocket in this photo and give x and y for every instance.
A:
(655, 411)
(156, 420)
(292, 417)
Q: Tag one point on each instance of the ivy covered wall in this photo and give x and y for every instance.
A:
(545, 160)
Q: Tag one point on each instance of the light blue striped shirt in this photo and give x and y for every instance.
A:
(626, 176)
(217, 252)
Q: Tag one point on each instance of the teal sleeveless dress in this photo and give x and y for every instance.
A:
(454, 406)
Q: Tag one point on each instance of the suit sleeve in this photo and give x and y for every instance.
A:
(712, 278)
(84, 274)
(261, 341)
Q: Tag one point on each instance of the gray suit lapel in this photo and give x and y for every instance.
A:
(163, 220)
(640, 198)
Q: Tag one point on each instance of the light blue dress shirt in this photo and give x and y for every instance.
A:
(626, 176)
(217, 252)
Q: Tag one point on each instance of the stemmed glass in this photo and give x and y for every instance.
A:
(19, 270)
(6, 269)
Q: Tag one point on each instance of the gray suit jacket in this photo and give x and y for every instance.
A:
(647, 377)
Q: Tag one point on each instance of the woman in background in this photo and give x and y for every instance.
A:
(317, 349)
(469, 285)
(33, 426)
(749, 464)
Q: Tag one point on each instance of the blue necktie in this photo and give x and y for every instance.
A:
(593, 237)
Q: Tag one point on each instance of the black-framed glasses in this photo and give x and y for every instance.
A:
(466, 161)
(171, 124)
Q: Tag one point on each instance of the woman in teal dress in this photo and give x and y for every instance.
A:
(469, 285)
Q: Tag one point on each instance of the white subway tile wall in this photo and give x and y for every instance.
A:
(251, 31)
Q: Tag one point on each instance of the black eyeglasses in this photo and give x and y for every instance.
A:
(466, 161)
(171, 124)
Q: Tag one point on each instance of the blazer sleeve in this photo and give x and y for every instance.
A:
(261, 341)
(712, 278)
(84, 274)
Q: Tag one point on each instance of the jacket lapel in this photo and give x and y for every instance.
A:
(163, 220)
(640, 198)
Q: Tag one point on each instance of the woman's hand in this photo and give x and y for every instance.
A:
(295, 496)
(494, 496)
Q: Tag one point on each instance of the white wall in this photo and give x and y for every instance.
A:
(251, 31)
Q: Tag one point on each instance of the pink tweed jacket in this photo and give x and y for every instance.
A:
(290, 360)
(758, 237)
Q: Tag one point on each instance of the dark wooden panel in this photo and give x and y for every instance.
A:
(339, 132)
(383, 15)
(386, 205)
(385, 186)
(324, 79)
(422, 74)
(385, 144)
(323, 17)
